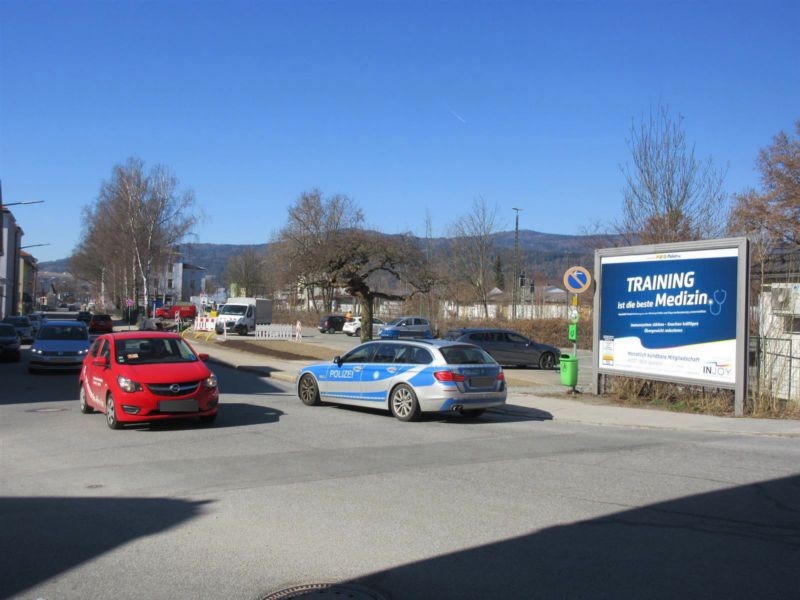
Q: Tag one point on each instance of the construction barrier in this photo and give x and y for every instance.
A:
(274, 332)
(205, 323)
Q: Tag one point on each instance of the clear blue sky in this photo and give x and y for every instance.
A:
(407, 107)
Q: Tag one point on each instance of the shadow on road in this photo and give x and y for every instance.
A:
(231, 414)
(506, 414)
(738, 543)
(42, 537)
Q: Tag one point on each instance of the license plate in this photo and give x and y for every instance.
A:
(481, 382)
(171, 406)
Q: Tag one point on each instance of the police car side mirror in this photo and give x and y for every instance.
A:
(337, 360)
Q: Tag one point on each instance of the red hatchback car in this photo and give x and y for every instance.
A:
(140, 376)
(101, 324)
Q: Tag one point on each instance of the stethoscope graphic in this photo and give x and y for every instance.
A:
(715, 306)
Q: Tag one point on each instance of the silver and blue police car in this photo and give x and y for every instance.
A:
(408, 378)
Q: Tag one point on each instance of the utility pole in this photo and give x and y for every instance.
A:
(515, 282)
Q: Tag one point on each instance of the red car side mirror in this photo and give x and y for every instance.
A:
(100, 361)
(203, 356)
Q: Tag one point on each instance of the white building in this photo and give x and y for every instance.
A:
(178, 283)
(9, 264)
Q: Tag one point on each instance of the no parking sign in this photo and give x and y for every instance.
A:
(577, 279)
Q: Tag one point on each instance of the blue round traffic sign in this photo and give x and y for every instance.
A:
(577, 279)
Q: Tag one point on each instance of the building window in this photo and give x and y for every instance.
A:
(169, 284)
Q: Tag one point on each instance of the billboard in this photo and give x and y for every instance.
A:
(673, 312)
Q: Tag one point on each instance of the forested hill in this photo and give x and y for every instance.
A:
(545, 253)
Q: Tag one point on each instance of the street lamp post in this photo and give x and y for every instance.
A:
(516, 266)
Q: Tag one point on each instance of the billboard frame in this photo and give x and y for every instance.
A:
(741, 244)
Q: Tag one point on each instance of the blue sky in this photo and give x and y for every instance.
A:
(408, 107)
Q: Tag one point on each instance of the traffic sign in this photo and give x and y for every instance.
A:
(129, 302)
(577, 279)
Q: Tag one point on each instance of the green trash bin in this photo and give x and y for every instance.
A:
(569, 370)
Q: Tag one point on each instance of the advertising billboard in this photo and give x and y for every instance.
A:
(673, 312)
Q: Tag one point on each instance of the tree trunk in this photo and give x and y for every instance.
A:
(366, 302)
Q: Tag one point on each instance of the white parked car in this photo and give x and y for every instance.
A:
(353, 326)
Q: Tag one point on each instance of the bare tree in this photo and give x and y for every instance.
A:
(311, 233)
(473, 249)
(248, 269)
(772, 216)
(360, 257)
(669, 194)
(136, 222)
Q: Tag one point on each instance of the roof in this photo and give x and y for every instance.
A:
(65, 322)
(140, 333)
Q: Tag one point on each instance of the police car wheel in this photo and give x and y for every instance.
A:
(85, 407)
(403, 403)
(308, 391)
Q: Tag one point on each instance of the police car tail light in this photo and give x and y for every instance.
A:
(448, 376)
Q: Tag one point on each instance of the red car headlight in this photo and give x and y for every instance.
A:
(210, 382)
(128, 385)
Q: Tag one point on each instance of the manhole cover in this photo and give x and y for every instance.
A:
(326, 590)
(47, 410)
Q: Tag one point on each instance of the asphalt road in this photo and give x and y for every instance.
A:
(276, 494)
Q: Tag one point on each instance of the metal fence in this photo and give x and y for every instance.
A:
(775, 367)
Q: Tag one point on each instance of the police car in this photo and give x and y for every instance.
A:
(408, 378)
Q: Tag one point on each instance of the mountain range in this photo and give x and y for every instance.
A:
(545, 254)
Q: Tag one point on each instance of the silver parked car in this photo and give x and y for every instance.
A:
(23, 326)
(59, 345)
(408, 377)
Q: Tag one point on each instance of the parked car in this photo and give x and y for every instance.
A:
(186, 311)
(408, 378)
(353, 326)
(59, 345)
(9, 342)
(23, 326)
(509, 347)
(407, 327)
(84, 316)
(101, 324)
(138, 376)
(331, 323)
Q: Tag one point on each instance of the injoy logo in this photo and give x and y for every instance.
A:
(718, 369)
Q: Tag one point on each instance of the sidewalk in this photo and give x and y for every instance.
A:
(524, 398)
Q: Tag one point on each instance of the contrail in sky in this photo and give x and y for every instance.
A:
(456, 115)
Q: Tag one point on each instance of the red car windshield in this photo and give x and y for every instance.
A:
(140, 351)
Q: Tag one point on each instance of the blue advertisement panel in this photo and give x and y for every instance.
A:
(670, 314)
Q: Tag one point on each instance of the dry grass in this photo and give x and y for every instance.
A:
(630, 391)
